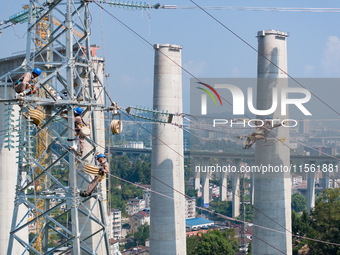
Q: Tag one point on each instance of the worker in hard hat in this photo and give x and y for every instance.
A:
(104, 169)
(26, 82)
(78, 124)
(261, 132)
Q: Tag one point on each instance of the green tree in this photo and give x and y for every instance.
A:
(249, 213)
(325, 223)
(191, 193)
(299, 202)
(300, 224)
(142, 234)
(223, 207)
(213, 243)
(249, 249)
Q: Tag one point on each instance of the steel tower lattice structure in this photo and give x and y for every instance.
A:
(64, 55)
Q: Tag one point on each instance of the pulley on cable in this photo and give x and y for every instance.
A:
(116, 126)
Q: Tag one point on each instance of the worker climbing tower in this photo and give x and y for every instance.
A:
(49, 173)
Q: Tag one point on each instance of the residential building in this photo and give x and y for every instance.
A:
(115, 224)
(139, 219)
(190, 208)
(135, 205)
(114, 247)
(140, 250)
(147, 242)
(136, 145)
(147, 198)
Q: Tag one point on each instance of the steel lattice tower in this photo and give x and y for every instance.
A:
(64, 55)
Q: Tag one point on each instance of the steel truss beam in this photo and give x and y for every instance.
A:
(66, 61)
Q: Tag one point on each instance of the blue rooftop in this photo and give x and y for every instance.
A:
(197, 221)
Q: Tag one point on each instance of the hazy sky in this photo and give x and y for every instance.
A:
(209, 50)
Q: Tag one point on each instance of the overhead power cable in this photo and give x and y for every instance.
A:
(139, 35)
(248, 44)
(190, 198)
(242, 8)
(130, 29)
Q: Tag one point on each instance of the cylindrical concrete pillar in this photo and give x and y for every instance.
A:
(8, 177)
(167, 223)
(325, 181)
(205, 182)
(310, 191)
(272, 190)
(223, 180)
(235, 182)
(99, 133)
(196, 163)
(251, 188)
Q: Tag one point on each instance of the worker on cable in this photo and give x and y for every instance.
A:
(261, 132)
(78, 124)
(26, 82)
(104, 169)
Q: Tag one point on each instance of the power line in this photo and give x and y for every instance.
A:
(242, 8)
(192, 74)
(138, 35)
(262, 55)
(190, 198)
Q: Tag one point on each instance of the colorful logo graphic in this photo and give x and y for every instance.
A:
(209, 93)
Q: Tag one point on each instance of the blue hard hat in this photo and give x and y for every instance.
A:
(100, 156)
(269, 118)
(78, 110)
(37, 71)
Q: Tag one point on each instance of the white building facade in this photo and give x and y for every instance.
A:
(115, 224)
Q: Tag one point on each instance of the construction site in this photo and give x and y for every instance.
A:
(84, 172)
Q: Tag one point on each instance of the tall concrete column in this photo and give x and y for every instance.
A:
(325, 177)
(235, 182)
(223, 181)
(196, 162)
(251, 188)
(135, 157)
(98, 122)
(310, 191)
(272, 190)
(8, 177)
(205, 182)
(167, 216)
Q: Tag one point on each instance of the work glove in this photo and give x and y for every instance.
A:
(33, 89)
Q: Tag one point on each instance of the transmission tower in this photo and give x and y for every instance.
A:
(58, 42)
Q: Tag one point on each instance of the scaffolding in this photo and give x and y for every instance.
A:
(60, 40)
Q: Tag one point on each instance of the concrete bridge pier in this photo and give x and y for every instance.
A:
(251, 188)
(236, 190)
(223, 181)
(196, 162)
(325, 181)
(310, 191)
(205, 182)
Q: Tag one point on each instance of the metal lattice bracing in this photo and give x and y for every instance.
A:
(49, 175)
(243, 214)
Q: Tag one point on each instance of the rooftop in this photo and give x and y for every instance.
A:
(197, 221)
